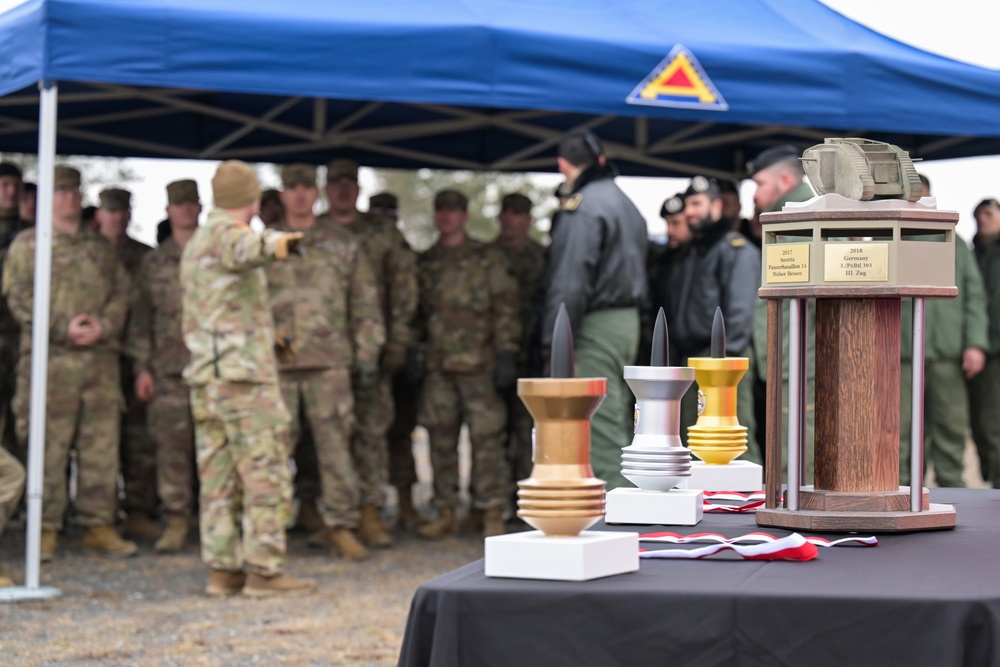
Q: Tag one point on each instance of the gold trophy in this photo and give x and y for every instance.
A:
(718, 438)
(562, 496)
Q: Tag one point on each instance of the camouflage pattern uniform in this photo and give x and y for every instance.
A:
(527, 264)
(85, 401)
(10, 226)
(395, 269)
(468, 313)
(241, 423)
(156, 345)
(326, 305)
(138, 455)
(11, 485)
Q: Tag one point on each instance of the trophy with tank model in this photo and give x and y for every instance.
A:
(561, 498)
(657, 460)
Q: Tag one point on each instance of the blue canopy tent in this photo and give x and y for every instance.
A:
(673, 88)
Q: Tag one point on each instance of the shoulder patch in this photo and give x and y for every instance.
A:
(736, 239)
(573, 202)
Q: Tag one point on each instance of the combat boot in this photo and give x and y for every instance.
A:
(406, 513)
(225, 582)
(174, 536)
(371, 530)
(50, 538)
(443, 526)
(258, 585)
(345, 544)
(139, 526)
(309, 518)
(105, 540)
(493, 522)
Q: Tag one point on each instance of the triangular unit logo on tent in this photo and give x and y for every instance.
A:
(678, 81)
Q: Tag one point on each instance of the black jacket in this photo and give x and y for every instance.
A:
(598, 253)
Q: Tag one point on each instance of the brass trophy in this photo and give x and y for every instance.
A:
(717, 438)
(858, 248)
(562, 497)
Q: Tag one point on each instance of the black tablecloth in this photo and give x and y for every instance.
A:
(929, 598)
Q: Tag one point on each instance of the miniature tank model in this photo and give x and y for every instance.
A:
(861, 169)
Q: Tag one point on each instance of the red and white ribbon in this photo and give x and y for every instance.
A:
(751, 501)
(794, 547)
(752, 538)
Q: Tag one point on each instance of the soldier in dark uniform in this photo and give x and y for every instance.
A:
(10, 225)
(666, 270)
(984, 389)
(720, 269)
(597, 268)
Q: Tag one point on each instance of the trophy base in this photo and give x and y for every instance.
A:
(589, 555)
(677, 507)
(936, 517)
(741, 476)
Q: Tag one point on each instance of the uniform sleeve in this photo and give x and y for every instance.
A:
(573, 257)
(739, 297)
(19, 289)
(366, 323)
(139, 337)
(975, 323)
(506, 314)
(115, 310)
(402, 291)
(242, 249)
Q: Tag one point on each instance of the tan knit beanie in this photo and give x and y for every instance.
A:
(235, 185)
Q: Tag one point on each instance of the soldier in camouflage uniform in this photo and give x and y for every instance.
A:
(396, 275)
(88, 305)
(327, 322)
(155, 346)
(526, 259)
(469, 319)
(11, 224)
(137, 454)
(241, 423)
(11, 488)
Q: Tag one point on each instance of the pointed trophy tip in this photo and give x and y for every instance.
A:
(561, 364)
(718, 335)
(660, 351)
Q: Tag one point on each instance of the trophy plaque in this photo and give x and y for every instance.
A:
(858, 248)
(561, 498)
(657, 460)
(718, 438)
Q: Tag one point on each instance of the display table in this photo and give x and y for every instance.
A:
(916, 599)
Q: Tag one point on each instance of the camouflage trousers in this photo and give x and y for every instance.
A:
(448, 400)
(241, 438)
(83, 411)
(370, 445)
(11, 485)
(8, 381)
(324, 400)
(171, 430)
(519, 425)
(402, 467)
(138, 456)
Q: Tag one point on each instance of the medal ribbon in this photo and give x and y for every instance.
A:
(752, 538)
(794, 548)
(751, 501)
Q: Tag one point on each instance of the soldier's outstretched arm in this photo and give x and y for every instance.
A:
(366, 322)
(243, 250)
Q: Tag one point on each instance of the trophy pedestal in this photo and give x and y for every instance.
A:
(741, 476)
(886, 512)
(589, 555)
(677, 507)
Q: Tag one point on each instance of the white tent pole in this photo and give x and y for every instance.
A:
(48, 93)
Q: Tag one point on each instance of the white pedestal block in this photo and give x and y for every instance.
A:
(734, 476)
(589, 555)
(677, 507)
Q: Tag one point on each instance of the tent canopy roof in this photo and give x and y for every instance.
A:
(485, 84)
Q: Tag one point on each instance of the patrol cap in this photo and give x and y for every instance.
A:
(10, 169)
(516, 202)
(116, 199)
(341, 168)
(701, 185)
(182, 192)
(298, 174)
(235, 185)
(383, 200)
(451, 199)
(771, 157)
(66, 176)
(673, 205)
